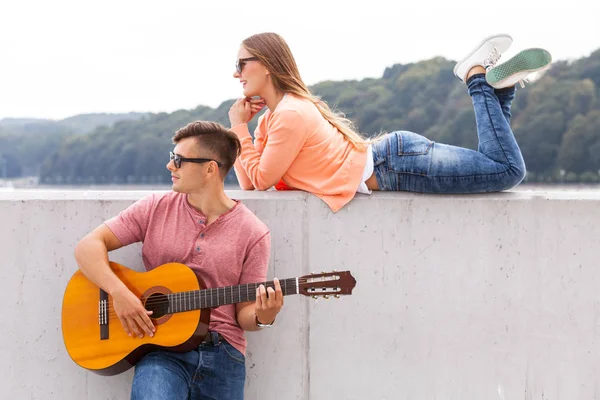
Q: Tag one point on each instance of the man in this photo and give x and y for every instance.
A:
(219, 238)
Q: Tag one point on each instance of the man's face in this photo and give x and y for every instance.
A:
(192, 176)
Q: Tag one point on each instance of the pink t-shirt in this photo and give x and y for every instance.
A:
(233, 250)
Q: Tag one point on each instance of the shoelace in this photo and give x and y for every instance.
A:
(521, 82)
(491, 59)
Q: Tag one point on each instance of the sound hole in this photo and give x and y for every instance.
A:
(159, 304)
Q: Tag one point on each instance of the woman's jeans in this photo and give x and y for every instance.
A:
(410, 162)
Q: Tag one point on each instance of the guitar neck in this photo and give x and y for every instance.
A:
(215, 297)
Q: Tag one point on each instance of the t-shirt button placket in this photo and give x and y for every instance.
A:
(200, 222)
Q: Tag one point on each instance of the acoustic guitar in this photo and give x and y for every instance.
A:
(96, 340)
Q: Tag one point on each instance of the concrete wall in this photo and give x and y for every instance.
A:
(458, 297)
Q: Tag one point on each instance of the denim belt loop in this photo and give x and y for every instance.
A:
(215, 338)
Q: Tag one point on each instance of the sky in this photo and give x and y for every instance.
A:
(60, 58)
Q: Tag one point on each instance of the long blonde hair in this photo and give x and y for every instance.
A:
(274, 53)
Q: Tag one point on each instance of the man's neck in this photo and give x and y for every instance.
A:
(211, 203)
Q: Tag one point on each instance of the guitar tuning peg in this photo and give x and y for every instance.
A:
(326, 297)
(313, 273)
(315, 297)
(323, 272)
(335, 270)
(337, 296)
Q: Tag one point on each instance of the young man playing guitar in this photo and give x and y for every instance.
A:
(222, 241)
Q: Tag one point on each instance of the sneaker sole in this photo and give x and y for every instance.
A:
(518, 67)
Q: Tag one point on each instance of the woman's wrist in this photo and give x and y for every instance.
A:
(235, 122)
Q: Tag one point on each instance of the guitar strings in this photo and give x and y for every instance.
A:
(185, 299)
(212, 291)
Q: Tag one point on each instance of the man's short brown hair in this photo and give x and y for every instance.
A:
(222, 143)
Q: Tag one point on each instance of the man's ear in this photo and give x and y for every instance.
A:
(211, 168)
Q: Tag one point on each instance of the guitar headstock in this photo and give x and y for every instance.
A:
(325, 284)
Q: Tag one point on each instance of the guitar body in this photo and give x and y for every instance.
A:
(96, 340)
(103, 346)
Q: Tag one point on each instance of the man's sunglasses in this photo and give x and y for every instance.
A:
(239, 65)
(177, 160)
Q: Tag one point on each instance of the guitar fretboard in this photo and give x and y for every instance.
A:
(211, 298)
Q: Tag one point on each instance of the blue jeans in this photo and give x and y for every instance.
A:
(410, 162)
(213, 371)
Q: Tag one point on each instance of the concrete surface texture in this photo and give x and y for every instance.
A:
(458, 297)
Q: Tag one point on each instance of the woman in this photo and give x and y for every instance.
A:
(301, 144)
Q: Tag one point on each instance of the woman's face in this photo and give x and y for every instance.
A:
(253, 76)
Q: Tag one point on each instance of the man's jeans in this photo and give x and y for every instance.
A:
(213, 371)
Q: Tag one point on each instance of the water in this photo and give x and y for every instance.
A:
(55, 188)
(28, 184)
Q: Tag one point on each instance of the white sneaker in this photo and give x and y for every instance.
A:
(486, 54)
(518, 68)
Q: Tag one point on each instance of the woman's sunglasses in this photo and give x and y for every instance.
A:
(239, 65)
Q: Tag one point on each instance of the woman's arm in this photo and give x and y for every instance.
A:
(243, 179)
(286, 136)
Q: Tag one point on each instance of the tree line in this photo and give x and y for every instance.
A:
(556, 120)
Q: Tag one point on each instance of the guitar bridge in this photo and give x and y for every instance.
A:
(103, 315)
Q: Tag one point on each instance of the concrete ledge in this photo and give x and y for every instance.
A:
(457, 297)
(519, 194)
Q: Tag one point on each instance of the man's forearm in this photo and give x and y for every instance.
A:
(247, 318)
(92, 257)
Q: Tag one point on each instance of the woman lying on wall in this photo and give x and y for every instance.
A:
(300, 143)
